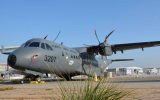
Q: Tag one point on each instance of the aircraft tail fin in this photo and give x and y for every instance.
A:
(2, 49)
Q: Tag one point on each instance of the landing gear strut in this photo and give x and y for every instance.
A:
(67, 77)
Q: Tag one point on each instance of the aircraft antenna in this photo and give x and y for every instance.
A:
(57, 36)
(46, 37)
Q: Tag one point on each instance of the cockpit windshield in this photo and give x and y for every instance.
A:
(42, 45)
(34, 44)
(27, 43)
(48, 47)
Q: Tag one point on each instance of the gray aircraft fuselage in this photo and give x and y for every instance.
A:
(44, 56)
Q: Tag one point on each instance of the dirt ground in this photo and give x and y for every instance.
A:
(50, 90)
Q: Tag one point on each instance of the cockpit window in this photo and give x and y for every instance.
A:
(34, 44)
(42, 45)
(48, 47)
(23, 45)
(26, 44)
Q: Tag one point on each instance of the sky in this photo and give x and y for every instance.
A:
(134, 21)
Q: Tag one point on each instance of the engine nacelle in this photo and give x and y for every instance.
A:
(106, 51)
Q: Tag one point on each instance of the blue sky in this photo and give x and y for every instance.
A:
(134, 21)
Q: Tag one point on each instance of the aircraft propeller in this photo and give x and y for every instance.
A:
(102, 46)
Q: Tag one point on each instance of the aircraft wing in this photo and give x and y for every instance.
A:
(129, 46)
(8, 50)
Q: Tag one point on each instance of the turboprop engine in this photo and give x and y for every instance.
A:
(104, 49)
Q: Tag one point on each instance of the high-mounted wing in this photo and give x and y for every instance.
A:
(129, 46)
(8, 50)
(104, 49)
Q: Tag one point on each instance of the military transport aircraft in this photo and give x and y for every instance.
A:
(44, 56)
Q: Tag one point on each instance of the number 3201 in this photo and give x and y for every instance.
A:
(49, 58)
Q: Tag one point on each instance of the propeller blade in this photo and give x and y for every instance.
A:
(97, 36)
(109, 35)
(57, 36)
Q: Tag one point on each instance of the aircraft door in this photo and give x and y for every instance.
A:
(65, 60)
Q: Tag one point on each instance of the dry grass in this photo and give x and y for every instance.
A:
(6, 88)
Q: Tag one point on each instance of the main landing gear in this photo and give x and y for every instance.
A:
(34, 79)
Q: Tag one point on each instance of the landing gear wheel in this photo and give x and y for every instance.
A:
(21, 81)
(68, 78)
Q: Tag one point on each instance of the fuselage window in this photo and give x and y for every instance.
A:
(42, 45)
(48, 47)
(62, 54)
(34, 44)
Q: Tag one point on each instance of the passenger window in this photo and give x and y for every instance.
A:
(48, 47)
(34, 44)
(62, 54)
(42, 45)
(71, 56)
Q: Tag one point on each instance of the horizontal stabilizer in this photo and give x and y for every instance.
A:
(115, 60)
(7, 50)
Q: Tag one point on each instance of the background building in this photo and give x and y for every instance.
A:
(119, 71)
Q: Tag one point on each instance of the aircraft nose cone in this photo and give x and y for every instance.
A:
(11, 60)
